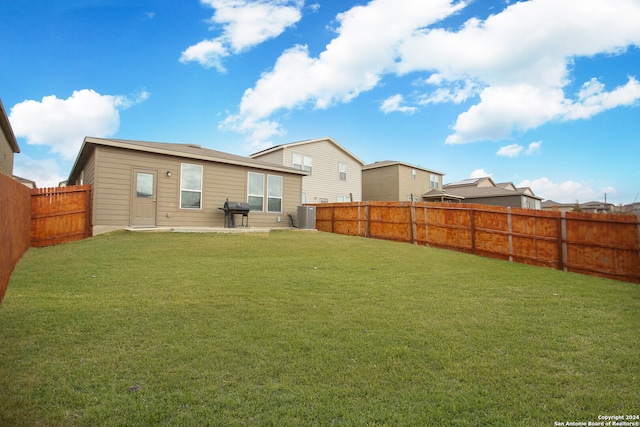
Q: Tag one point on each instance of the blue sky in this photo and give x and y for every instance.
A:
(542, 93)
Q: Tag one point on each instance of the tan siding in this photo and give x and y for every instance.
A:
(6, 155)
(114, 180)
(275, 156)
(324, 181)
(418, 186)
(380, 184)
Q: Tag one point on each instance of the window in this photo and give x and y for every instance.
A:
(434, 181)
(144, 185)
(302, 162)
(274, 193)
(190, 186)
(344, 199)
(304, 198)
(342, 168)
(413, 173)
(255, 191)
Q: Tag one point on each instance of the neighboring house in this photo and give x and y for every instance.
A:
(335, 174)
(588, 207)
(397, 181)
(631, 209)
(8, 143)
(149, 184)
(486, 191)
(26, 182)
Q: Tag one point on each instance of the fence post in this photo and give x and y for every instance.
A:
(562, 243)
(426, 225)
(367, 214)
(414, 231)
(510, 231)
(473, 230)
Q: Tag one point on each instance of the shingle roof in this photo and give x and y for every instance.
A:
(385, 163)
(189, 151)
(306, 141)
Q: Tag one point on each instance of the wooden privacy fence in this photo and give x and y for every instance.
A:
(15, 220)
(60, 215)
(595, 244)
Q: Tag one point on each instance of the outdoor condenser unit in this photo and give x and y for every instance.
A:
(307, 217)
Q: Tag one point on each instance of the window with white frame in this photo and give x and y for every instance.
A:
(302, 162)
(274, 193)
(190, 186)
(342, 169)
(413, 173)
(434, 181)
(344, 199)
(255, 191)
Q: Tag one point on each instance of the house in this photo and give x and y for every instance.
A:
(398, 181)
(486, 191)
(334, 174)
(8, 144)
(588, 207)
(154, 184)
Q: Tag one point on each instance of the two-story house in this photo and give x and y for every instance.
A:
(8, 143)
(485, 191)
(335, 174)
(398, 181)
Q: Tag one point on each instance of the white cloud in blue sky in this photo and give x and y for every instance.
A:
(515, 63)
(514, 150)
(245, 24)
(434, 76)
(62, 124)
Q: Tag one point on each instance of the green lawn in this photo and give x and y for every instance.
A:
(308, 328)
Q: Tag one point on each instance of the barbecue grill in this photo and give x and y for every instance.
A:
(235, 208)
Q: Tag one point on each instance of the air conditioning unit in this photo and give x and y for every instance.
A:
(306, 217)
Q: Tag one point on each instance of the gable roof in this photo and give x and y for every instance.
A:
(7, 130)
(186, 151)
(307, 141)
(385, 163)
(485, 187)
(435, 193)
(471, 182)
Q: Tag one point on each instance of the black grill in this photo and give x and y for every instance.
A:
(235, 208)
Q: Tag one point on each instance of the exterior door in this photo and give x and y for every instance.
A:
(144, 196)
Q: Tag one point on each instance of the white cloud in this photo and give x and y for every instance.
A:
(456, 92)
(480, 173)
(62, 124)
(45, 172)
(521, 57)
(245, 24)
(393, 104)
(512, 150)
(567, 191)
(517, 62)
(365, 49)
(534, 148)
(593, 99)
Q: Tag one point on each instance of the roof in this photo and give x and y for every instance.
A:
(7, 130)
(307, 141)
(470, 192)
(385, 163)
(469, 182)
(435, 193)
(187, 151)
(478, 188)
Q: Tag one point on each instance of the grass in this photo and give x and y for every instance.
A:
(296, 328)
